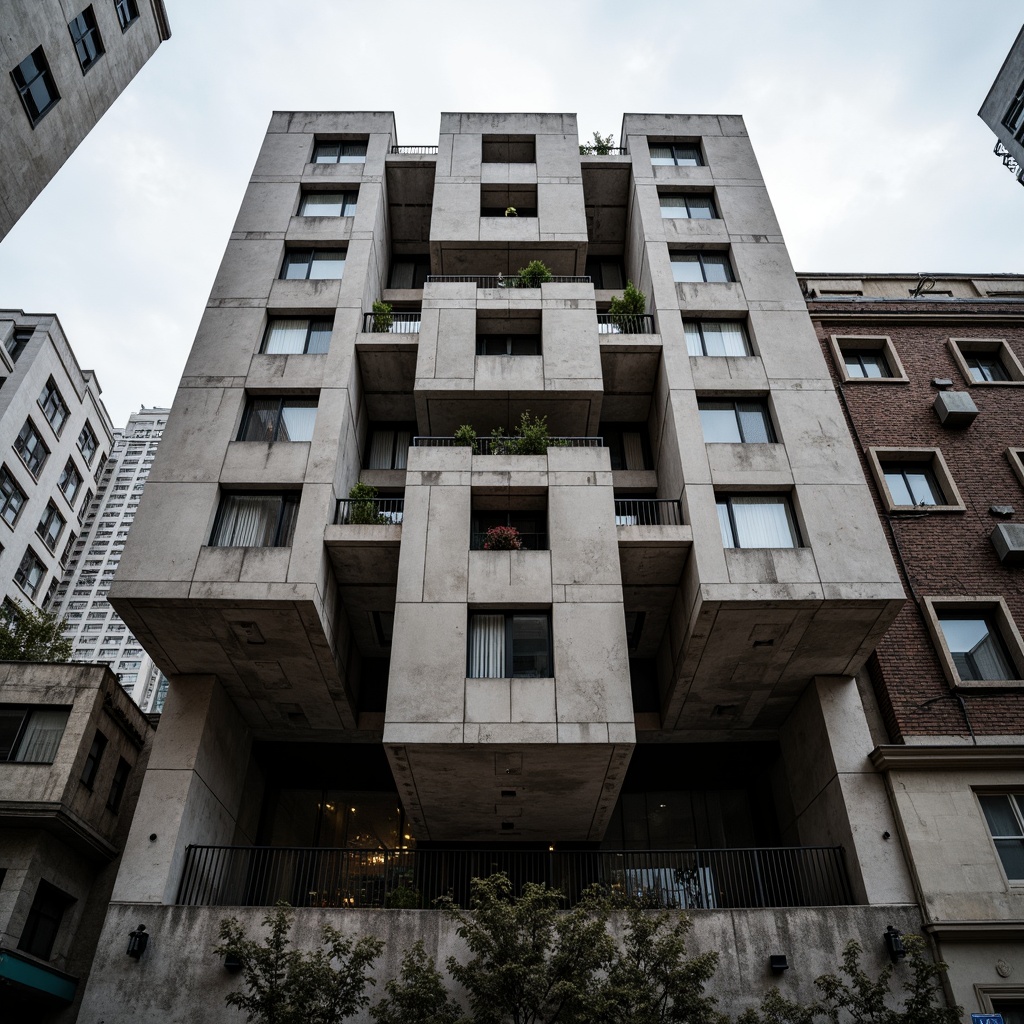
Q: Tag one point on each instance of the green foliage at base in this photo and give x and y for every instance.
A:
(417, 995)
(30, 635)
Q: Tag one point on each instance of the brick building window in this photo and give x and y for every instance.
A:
(866, 357)
(986, 361)
(977, 640)
(914, 478)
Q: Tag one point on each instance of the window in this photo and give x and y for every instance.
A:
(31, 735)
(43, 921)
(506, 645)
(508, 149)
(913, 478)
(278, 419)
(531, 525)
(127, 12)
(511, 345)
(92, 762)
(30, 573)
(12, 497)
(627, 445)
(866, 357)
(861, 362)
(912, 483)
(35, 85)
(328, 204)
(1013, 119)
(87, 444)
(986, 361)
(716, 338)
(51, 526)
(986, 366)
(85, 505)
(16, 343)
(118, 783)
(339, 152)
(255, 520)
(693, 207)
(389, 446)
(313, 265)
(709, 267)
(1005, 816)
(53, 406)
(29, 445)
(86, 37)
(1012, 1010)
(757, 521)
(976, 646)
(678, 154)
(736, 421)
(606, 272)
(496, 200)
(409, 271)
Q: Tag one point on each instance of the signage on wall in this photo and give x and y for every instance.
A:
(986, 1018)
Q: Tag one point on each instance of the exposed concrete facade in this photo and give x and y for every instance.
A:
(35, 147)
(1003, 109)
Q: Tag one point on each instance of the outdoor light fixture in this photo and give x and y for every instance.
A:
(232, 963)
(778, 963)
(894, 944)
(137, 942)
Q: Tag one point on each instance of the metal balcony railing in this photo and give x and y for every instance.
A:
(530, 541)
(648, 512)
(420, 150)
(369, 512)
(497, 446)
(499, 280)
(238, 876)
(391, 323)
(625, 323)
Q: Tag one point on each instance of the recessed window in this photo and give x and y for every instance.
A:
(977, 649)
(1005, 816)
(255, 520)
(695, 267)
(328, 204)
(736, 421)
(87, 444)
(409, 271)
(313, 265)
(16, 343)
(30, 573)
(692, 207)
(30, 735)
(1013, 119)
(986, 366)
(912, 483)
(54, 408)
(986, 361)
(12, 497)
(861, 362)
(278, 419)
(914, 478)
(677, 154)
(388, 446)
(86, 37)
(509, 201)
(339, 152)
(627, 445)
(508, 345)
(35, 85)
(29, 445)
(127, 12)
(43, 921)
(716, 338)
(515, 529)
(119, 781)
(51, 526)
(866, 357)
(505, 645)
(508, 149)
(92, 762)
(757, 521)
(606, 273)
(300, 336)
(83, 508)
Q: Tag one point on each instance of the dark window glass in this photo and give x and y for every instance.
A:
(297, 336)
(1013, 119)
(509, 644)
(986, 366)
(278, 419)
(716, 338)
(757, 521)
(53, 406)
(510, 345)
(328, 204)
(117, 784)
(92, 762)
(87, 444)
(35, 85)
(1005, 816)
(627, 445)
(339, 152)
(51, 526)
(30, 573)
(709, 267)
(1011, 1009)
(912, 483)
(736, 422)
(84, 507)
(866, 363)
(255, 520)
(43, 922)
(12, 497)
(688, 206)
(530, 525)
(977, 648)
(30, 735)
(677, 154)
(127, 12)
(29, 445)
(409, 271)
(606, 273)
(86, 37)
(313, 265)
(15, 344)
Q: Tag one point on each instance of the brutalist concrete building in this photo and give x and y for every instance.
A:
(658, 682)
(63, 67)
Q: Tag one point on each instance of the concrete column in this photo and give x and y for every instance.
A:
(192, 791)
(838, 799)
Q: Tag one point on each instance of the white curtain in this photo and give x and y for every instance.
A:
(762, 522)
(322, 204)
(297, 419)
(632, 449)
(382, 444)
(674, 206)
(247, 521)
(728, 540)
(487, 646)
(327, 265)
(403, 438)
(42, 736)
(286, 336)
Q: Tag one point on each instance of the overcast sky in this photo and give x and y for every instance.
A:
(863, 117)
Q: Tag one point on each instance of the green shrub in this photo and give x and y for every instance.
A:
(382, 317)
(534, 274)
(403, 897)
(465, 437)
(417, 995)
(601, 146)
(626, 307)
(362, 511)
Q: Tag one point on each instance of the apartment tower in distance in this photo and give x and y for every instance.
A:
(1003, 109)
(63, 68)
(658, 683)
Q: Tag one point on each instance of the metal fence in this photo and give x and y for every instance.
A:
(421, 150)
(625, 323)
(225, 876)
(608, 151)
(391, 323)
(648, 512)
(500, 280)
(503, 445)
(369, 511)
(529, 541)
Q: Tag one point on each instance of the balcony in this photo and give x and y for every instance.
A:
(625, 323)
(415, 150)
(630, 358)
(392, 323)
(710, 879)
(653, 542)
(500, 280)
(503, 445)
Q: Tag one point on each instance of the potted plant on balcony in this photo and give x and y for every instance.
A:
(626, 309)
(531, 437)
(510, 211)
(383, 318)
(534, 274)
(503, 538)
(362, 509)
(601, 146)
(465, 437)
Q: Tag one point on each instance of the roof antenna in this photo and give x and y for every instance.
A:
(925, 285)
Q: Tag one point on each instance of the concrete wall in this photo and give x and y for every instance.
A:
(1001, 94)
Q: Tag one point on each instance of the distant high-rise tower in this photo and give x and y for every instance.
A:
(1003, 109)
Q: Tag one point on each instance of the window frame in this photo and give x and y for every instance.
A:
(17, 341)
(342, 157)
(93, 760)
(686, 196)
(1015, 456)
(24, 86)
(764, 408)
(326, 256)
(673, 145)
(37, 917)
(1015, 798)
(310, 322)
(728, 497)
(879, 457)
(397, 428)
(509, 651)
(126, 9)
(30, 553)
(250, 412)
(699, 324)
(510, 340)
(1013, 119)
(349, 198)
(44, 531)
(118, 785)
(840, 345)
(961, 348)
(87, 432)
(6, 476)
(284, 524)
(701, 254)
(993, 608)
(30, 427)
(85, 33)
(27, 710)
(51, 402)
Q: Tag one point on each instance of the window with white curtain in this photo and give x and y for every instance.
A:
(736, 421)
(716, 338)
(976, 646)
(757, 521)
(696, 267)
(298, 336)
(31, 735)
(278, 419)
(688, 205)
(677, 154)
(389, 446)
(313, 265)
(328, 204)
(325, 152)
(504, 645)
(253, 519)
(627, 445)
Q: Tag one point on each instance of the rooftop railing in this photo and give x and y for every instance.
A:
(625, 323)
(391, 323)
(240, 876)
(502, 445)
(415, 150)
(648, 512)
(500, 280)
(369, 511)
(609, 151)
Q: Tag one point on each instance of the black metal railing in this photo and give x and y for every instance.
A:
(369, 511)
(500, 280)
(609, 151)
(648, 512)
(625, 323)
(503, 445)
(528, 541)
(421, 150)
(391, 323)
(226, 876)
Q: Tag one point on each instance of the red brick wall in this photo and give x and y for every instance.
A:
(940, 554)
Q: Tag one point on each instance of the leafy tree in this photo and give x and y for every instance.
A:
(529, 437)
(534, 274)
(465, 437)
(30, 635)
(289, 986)
(417, 995)
(383, 318)
(531, 963)
(601, 146)
(362, 511)
(625, 308)
(775, 1009)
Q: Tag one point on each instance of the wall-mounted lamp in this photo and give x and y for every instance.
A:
(232, 963)
(894, 944)
(778, 963)
(137, 942)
